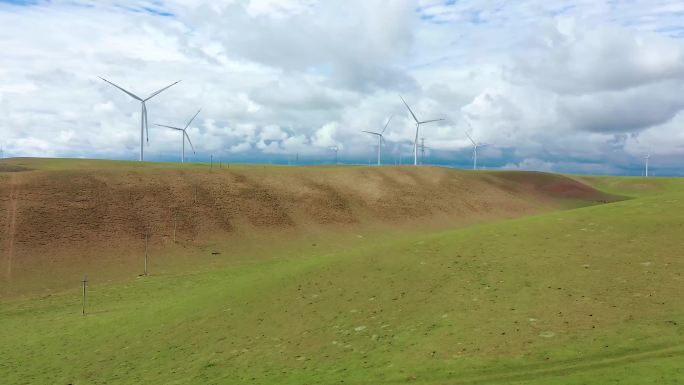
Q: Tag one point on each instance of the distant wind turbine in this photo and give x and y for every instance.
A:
(336, 149)
(184, 134)
(647, 157)
(380, 136)
(475, 146)
(143, 114)
(418, 123)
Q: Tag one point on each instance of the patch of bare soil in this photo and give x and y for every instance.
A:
(12, 168)
(550, 186)
(11, 221)
(65, 217)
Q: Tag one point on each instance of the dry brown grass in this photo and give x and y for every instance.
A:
(55, 219)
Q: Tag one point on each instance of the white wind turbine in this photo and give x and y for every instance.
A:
(418, 123)
(475, 146)
(143, 113)
(380, 136)
(336, 149)
(647, 157)
(184, 134)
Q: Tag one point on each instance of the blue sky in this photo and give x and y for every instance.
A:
(569, 86)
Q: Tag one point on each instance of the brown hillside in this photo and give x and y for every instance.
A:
(55, 217)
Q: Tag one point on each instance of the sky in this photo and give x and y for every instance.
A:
(584, 86)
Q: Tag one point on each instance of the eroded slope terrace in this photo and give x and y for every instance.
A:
(58, 213)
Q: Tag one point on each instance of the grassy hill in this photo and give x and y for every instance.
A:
(586, 295)
(69, 217)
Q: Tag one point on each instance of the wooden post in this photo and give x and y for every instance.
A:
(175, 221)
(146, 237)
(83, 302)
(211, 161)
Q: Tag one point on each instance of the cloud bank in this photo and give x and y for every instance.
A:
(569, 86)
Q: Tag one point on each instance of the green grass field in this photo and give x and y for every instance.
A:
(582, 296)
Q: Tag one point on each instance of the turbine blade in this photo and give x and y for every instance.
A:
(471, 139)
(387, 124)
(174, 128)
(189, 141)
(430, 121)
(409, 108)
(193, 118)
(369, 132)
(160, 91)
(127, 92)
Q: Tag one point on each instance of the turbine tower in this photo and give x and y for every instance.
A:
(184, 134)
(143, 113)
(647, 157)
(418, 123)
(380, 136)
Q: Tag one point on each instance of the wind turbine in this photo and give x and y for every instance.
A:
(143, 113)
(336, 149)
(647, 157)
(184, 135)
(475, 146)
(381, 138)
(418, 123)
